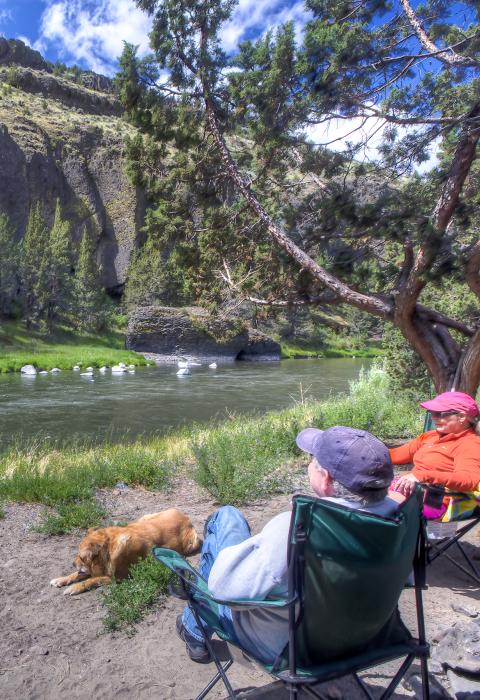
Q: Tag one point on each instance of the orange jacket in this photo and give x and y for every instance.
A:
(449, 460)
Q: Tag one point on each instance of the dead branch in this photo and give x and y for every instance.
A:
(447, 55)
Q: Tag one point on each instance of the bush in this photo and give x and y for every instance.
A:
(41, 474)
(250, 457)
(243, 460)
(71, 516)
(128, 601)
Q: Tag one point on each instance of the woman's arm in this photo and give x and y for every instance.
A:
(404, 453)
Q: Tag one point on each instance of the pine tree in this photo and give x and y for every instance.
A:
(91, 304)
(9, 268)
(58, 264)
(34, 268)
(416, 70)
(146, 276)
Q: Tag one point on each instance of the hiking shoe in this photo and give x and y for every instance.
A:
(196, 650)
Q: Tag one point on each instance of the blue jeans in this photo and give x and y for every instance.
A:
(226, 527)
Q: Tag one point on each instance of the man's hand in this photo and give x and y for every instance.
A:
(406, 484)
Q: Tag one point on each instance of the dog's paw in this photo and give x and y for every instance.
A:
(73, 590)
(57, 582)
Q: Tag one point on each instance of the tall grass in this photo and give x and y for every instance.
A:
(71, 515)
(239, 460)
(251, 457)
(40, 474)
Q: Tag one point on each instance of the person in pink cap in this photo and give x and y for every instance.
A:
(449, 455)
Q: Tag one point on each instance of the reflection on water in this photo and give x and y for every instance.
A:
(154, 399)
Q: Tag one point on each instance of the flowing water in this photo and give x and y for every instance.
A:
(118, 408)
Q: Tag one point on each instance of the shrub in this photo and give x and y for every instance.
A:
(71, 515)
(250, 457)
(127, 601)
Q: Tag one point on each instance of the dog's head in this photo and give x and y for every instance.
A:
(92, 554)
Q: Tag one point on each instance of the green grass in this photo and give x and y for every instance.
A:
(2, 510)
(290, 351)
(71, 515)
(251, 457)
(239, 460)
(128, 601)
(36, 473)
(63, 349)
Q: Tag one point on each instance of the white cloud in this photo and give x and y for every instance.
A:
(258, 17)
(25, 39)
(92, 33)
(337, 134)
(5, 16)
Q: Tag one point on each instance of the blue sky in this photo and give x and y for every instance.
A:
(90, 32)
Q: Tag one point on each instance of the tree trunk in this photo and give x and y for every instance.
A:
(468, 371)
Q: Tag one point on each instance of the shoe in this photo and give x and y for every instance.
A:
(196, 650)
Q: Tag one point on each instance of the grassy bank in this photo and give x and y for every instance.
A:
(239, 460)
(62, 349)
(290, 352)
(236, 461)
(333, 345)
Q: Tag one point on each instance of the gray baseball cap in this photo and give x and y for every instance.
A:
(356, 459)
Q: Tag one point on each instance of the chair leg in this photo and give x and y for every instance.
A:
(221, 675)
(398, 676)
(425, 681)
(221, 670)
(362, 686)
(466, 571)
(313, 693)
(469, 562)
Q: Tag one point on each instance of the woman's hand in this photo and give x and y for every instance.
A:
(406, 484)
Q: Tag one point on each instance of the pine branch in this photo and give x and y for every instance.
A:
(447, 55)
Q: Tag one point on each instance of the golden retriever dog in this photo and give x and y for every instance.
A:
(108, 552)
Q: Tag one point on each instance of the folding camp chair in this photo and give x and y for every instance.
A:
(346, 571)
(440, 546)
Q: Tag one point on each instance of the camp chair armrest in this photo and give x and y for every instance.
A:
(269, 603)
(195, 583)
(438, 489)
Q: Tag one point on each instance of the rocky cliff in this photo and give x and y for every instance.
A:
(64, 138)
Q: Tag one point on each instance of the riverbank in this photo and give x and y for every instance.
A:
(289, 351)
(237, 460)
(63, 349)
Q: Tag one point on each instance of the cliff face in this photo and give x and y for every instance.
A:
(64, 139)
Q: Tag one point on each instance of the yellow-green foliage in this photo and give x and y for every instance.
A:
(62, 349)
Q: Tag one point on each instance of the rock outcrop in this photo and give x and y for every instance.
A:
(61, 140)
(168, 334)
(14, 52)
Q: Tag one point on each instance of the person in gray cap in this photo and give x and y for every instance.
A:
(348, 466)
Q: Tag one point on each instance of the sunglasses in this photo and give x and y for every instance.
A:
(443, 414)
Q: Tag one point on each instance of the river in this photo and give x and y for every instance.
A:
(153, 400)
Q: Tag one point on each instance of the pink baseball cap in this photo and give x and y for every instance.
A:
(453, 401)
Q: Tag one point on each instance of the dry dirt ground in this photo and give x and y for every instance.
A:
(54, 646)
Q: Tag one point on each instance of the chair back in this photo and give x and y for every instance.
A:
(348, 568)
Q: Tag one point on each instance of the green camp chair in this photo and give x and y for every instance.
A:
(346, 569)
(440, 547)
